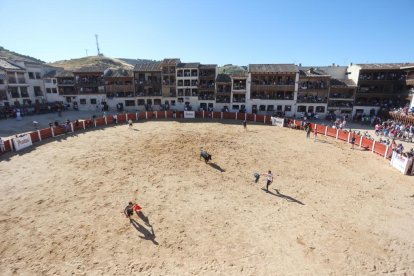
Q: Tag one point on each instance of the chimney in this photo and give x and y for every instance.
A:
(333, 64)
(300, 64)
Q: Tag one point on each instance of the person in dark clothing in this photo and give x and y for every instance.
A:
(129, 210)
(244, 124)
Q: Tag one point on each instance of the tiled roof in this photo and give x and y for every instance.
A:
(312, 72)
(342, 82)
(188, 65)
(118, 73)
(50, 74)
(384, 66)
(99, 68)
(65, 74)
(171, 61)
(7, 65)
(273, 68)
(208, 66)
(223, 78)
(149, 67)
(239, 75)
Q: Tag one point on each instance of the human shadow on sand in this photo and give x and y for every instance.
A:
(147, 234)
(288, 198)
(217, 167)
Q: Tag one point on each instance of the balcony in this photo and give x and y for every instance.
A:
(12, 80)
(149, 83)
(280, 96)
(223, 99)
(114, 88)
(66, 82)
(239, 99)
(67, 92)
(312, 99)
(206, 96)
(21, 80)
(149, 94)
(341, 96)
(382, 76)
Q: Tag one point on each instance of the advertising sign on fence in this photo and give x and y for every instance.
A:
(401, 162)
(277, 121)
(23, 141)
(189, 114)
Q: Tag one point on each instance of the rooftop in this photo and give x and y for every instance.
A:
(384, 66)
(65, 74)
(7, 65)
(208, 66)
(273, 68)
(149, 67)
(312, 72)
(188, 65)
(171, 61)
(342, 82)
(118, 73)
(223, 78)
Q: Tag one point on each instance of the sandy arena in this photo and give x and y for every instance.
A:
(335, 212)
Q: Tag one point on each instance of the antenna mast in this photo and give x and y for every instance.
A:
(97, 45)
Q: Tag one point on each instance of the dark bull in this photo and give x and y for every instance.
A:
(205, 155)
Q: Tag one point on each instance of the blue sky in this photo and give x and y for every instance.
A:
(213, 31)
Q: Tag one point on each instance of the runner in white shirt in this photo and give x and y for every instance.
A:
(269, 176)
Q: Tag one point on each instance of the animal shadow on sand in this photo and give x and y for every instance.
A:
(288, 198)
(217, 167)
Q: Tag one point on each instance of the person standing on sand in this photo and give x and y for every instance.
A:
(353, 140)
(269, 181)
(130, 123)
(129, 210)
(308, 131)
(315, 133)
(245, 125)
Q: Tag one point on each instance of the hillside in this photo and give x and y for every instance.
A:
(99, 62)
(231, 69)
(4, 53)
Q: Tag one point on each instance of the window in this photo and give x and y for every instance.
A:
(82, 101)
(3, 95)
(68, 99)
(288, 108)
(235, 107)
(173, 102)
(320, 109)
(1, 81)
(14, 92)
(270, 107)
(301, 108)
(157, 101)
(48, 81)
(203, 106)
(279, 108)
(310, 109)
(54, 81)
(23, 92)
(48, 90)
(211, 105)
(262, 107)
(93, 101)
(54, 90)
(31, 75)
(129, 103)
(38, 92)
(141, 102)
(38, 76)
(180, 100)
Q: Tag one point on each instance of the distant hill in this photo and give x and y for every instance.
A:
(99, 62)
(134, 62)
(232, 69)
(16, 56)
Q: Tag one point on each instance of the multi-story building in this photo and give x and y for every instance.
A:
(187, 84)
(148, 86)
(342, 91)
(378, 85)
(313, 91)
(50, 83)
(89, 85)
(223, 92)
(273, 87)
(119, 87)
(238, 91)
(207, 86)
(66, 87)
(23, 81)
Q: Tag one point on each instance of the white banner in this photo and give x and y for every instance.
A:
(277, 121)
(400, 162)
(23, 141)
(189, 114)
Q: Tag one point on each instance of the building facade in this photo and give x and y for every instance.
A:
(284, 89)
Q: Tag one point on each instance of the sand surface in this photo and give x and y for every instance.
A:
(336, 211)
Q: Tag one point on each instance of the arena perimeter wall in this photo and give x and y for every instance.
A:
(89, 124)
